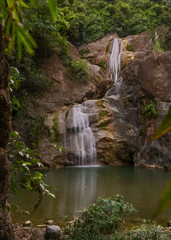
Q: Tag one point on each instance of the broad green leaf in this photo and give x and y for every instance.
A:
(13, 34)
(164, 127)
(15, 13)
(53, 8)
(27, 36)
(19, 45)
(165, 199)
(23, 4)
(26, 43)
(9, 2)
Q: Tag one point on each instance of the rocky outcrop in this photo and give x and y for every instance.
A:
(155, 76)
(144, 98)
(98, 52)
(124, 121)
(65, 90)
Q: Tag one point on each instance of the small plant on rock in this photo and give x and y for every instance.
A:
(150, 110)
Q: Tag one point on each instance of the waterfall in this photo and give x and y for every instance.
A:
(80, 140)
(115, 59)
(78, 136)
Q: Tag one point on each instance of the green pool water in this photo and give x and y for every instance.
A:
(78, 187)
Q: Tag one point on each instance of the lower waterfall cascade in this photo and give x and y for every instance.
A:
(80, 139)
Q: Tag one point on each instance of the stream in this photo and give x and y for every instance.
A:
(78, 187)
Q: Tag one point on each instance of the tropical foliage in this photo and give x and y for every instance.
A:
(23, 160)
(104, 220)
(96, 18)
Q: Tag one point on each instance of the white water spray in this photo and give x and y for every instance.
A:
(81, 141)
(115, 59)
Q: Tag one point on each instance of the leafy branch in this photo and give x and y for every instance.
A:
(23, 160)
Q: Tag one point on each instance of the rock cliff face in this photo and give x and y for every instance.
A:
(125, 119)
(66, 91)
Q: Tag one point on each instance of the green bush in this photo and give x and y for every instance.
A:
(101, 218)
(147, 231)
(102, 65)
(79, 70)
(104, 220)
(130, 47)
(23, 159)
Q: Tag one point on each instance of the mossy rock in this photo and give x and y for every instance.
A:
(100, 104)
(104, 124)
(108, 46)
(103, 113)
(84, 51)
(102, 64)
(54, 131)
(130, 48)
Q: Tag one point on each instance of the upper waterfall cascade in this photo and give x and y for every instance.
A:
(81, 141)
(115, 59)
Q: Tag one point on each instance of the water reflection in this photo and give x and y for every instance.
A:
(77, 187)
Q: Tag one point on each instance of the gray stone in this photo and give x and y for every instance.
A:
(53, 232)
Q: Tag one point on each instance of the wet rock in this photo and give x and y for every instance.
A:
(53, 232)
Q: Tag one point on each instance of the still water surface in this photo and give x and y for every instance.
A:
(78, 187)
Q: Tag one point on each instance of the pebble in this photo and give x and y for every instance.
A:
(49, 222)
(27, 223)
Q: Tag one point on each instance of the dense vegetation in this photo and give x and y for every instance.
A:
(105, 220)
(82, 22)
(96, 18)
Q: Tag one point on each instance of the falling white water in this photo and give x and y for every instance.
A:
(81, 141)
(115, 59)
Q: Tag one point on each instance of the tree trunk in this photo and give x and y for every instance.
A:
(6, 230)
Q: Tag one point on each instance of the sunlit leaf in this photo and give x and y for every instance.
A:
(19, 46)
(9, 2)
(165, 199)
(164, 127)
(53, 8)
(15, 15)
(23, 4)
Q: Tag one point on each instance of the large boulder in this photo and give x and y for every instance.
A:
(155, 75)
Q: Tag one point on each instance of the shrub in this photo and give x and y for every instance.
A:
(101, 218)
(102, 65)
(150, 110)
(130, 47)
(79, 70)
